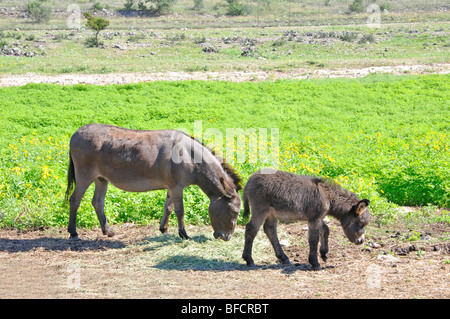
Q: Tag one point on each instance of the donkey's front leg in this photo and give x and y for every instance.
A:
(270, 228)
(177, 199)
(314, 229)
(324, 232)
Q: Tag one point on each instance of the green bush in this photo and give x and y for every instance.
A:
(97, 6)
(198, 5)
(357, 6)
(237, 8)
(157, 7)
(37, 12)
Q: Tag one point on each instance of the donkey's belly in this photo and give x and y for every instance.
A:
(133, 183)
(289, 216)
(139, 185)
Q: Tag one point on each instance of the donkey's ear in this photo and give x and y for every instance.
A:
(361, 206)
(227, 190)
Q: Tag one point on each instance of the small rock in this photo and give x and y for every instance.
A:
(374, 245)
(120, 47)
(387, 258)
(285, 243)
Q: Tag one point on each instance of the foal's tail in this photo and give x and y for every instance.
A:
(70, 178)
(246, 206)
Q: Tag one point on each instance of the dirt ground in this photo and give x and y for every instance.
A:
(236, 76)
(46, 264)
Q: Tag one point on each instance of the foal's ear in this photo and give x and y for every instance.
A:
(361, 206)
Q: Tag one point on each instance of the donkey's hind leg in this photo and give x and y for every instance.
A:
(270, 228)
(324, 232)
(101, 186)
(168, 207)
(75, 200)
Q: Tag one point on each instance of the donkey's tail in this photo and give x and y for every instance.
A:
(246, 206)
(70, 178)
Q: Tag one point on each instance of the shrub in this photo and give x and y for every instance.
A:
(198, 5)
(128, 5)
(348, 36)
(157, 7)
(91, 42)
(38, 12)
(97, 6)
(357, 6)
(367, 38)
(385, 6)
(236, 8)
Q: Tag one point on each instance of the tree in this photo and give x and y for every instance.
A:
(38, 12)
(96, 24)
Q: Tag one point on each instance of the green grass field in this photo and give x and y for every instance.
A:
(386, 138)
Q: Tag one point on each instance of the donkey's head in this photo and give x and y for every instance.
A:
(354, 223)
(224, 210)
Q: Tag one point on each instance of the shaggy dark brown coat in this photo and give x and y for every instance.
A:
(289, 197)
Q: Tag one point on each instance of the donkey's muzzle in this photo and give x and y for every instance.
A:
(360, 239)
(220, 235)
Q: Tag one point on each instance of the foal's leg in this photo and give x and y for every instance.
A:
(324, 232)
(314, 229)
(251, 229)
(168, 207)
(177, 199)
(80, 188)
(101, 186)
(270, 228)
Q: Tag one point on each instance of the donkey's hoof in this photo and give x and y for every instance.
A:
(74, 238)
(324, 257)
(183, 235)
(110, 233)
(285, 261)
(316, 267)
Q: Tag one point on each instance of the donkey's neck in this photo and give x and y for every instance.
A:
(208, 172)
(340, 201)
(339, 211)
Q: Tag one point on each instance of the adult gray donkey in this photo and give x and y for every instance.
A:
(145, 160)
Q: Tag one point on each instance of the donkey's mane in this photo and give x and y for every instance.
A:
(332, 187)
(226, 167)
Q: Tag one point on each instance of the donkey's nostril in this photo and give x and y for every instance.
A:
(360, 240)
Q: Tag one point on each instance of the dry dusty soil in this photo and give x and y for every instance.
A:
(236, 76)
(139, 262)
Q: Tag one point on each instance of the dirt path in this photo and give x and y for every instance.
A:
(141, 263)
(237, 76)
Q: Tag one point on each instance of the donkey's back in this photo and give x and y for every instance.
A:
(290, 196)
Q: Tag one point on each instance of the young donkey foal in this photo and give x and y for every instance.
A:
(291, 197)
